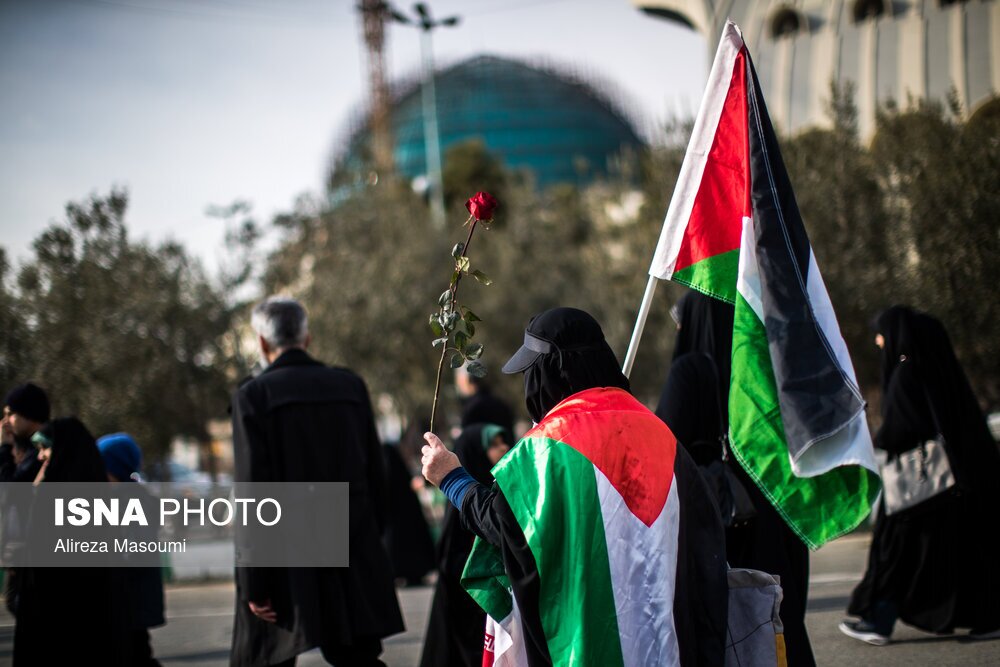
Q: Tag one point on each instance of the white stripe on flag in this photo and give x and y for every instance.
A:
(643, 562)
(850, 445)
(507, 640)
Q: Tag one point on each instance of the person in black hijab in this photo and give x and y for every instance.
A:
(479, 404)
(565, 353)
(705, 325)
(71, 615)
(455, 629)
(407, 537)
(928, 565)
(766, 543)
(690, 406)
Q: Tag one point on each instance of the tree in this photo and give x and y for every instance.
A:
(125, 335)
(13, 341)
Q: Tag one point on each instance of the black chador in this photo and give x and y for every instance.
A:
(929, 566)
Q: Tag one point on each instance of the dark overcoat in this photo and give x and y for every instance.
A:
(301, 421)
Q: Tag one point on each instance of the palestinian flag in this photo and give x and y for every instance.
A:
(733, 231)
(592, 488)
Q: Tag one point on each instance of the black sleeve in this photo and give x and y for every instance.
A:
(251, 464)
(7, 465)
(907, 419)
(479, 512)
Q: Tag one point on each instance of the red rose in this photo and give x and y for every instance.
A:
(481, 206)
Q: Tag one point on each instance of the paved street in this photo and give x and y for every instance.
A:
(200, 621)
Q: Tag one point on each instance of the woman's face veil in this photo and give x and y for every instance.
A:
(564, 352)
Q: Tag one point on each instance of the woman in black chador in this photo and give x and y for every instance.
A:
(928, 565)
(456, 627)
(407, 537)
(71, 616)
(705, 327)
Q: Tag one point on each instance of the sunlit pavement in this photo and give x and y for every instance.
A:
(199, 624)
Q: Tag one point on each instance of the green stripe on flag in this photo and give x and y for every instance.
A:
(552, 490)
(486, 581)
(714, 276)
(819, 508)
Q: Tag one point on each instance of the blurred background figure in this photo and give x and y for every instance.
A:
(457, 624)
(479, 404)
(144, 585)
(70, 616)
(930, 565)
(25, 411)
(689, 405)
(302, 421)
(705, 326)
(407, 537)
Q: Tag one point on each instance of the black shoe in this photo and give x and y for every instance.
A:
(863, 631)
(976, 633)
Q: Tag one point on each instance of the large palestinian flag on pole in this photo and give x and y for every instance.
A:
(592, 488)
(733, 231)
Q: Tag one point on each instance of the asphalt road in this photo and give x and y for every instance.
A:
(199, 625)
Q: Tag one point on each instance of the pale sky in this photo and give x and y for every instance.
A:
(190, 103)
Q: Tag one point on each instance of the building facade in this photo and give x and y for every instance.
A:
(889, 50)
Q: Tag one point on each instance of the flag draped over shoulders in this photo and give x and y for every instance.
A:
(594, 491)
(733, 231)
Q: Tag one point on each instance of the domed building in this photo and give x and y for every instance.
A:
(557, 126)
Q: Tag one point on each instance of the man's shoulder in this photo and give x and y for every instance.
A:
(311, 383)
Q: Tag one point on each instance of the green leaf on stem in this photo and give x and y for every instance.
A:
(454, 277)
(436, 327)
(456, 252)
(471, 316)
(461, 340)
(476, 369)
(457, 360)
(445, 298)
(474, 351)
(482, 277)
(439, 341)
(462, 264)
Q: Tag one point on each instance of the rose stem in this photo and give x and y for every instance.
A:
(444, 347)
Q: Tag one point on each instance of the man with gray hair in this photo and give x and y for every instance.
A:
(302, 421)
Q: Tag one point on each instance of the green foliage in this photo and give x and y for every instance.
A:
(910, 219)
(127, 336)
(363, 267)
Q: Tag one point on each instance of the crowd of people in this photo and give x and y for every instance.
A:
(103, 615)
(603, 534)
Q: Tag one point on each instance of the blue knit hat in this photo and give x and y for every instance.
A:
(122, 456)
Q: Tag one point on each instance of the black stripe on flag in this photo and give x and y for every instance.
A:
(817, 399)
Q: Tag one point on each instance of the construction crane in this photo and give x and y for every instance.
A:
(374, 14)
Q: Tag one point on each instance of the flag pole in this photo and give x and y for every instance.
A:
(640, 324)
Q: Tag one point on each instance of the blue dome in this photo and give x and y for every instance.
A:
(559, 128)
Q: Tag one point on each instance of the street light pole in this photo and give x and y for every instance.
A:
(432, 142)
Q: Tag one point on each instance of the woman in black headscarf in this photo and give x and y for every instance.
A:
(766, 543)
(69, 615)
(928, 566)
(565, 353)
(455, 629)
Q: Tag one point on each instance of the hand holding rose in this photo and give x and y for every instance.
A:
(437, 460)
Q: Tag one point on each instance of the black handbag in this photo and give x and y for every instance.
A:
(735, 506)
